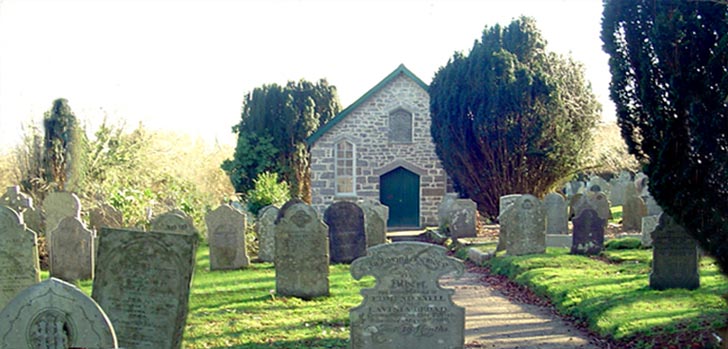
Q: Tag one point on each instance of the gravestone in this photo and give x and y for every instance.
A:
(588, 235)
(675, 259)
(407, 308)
(600, 203)
(105, 216)
(557, 220)
(640, 182)
(462, 219)
(633, 209)
(443, 210)
(143, 284)
(347, 238)
(525, 223)
(651, 205)
(19, 267)
(574, 187)
(302, 252)
(16, 200)
(504, 203)
(72, 251)
(174, 221)
(603, 185)
(649, 223)
(619, 185)
(375, 221)
(264, 228)
(55, 314)
(226, 236)
(33, 220)
(57, 206)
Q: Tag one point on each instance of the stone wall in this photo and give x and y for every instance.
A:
(367, 128)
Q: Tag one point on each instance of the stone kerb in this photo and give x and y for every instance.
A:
(407, 308)
(265, 232)
(557, 219)
(72, 251)
(226, 236)
(301, 252)
(525, 223)
(19, 266)
(55, 314)
(675, 258)
(57, 206)
(143, 283)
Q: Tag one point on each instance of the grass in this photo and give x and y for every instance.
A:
(612, 293)
(616, 214)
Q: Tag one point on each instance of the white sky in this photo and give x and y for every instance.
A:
(186, 65)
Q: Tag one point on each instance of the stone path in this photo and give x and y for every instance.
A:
(493, 321)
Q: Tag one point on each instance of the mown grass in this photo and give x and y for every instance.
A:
(612, 293)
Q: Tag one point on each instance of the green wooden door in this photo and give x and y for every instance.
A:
(400, 190)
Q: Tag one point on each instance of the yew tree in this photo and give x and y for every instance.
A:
(511, 117)
(669, 65)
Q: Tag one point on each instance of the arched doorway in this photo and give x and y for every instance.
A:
(399, 189)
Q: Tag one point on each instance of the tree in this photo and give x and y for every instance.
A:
(669, 62)
(510, 117)
(63, 144)
(274, 124)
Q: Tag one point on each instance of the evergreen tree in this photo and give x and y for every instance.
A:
(510, 117)
(669, 65)
(275, 122)
(64, 147)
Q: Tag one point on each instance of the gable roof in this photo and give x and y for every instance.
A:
(400, 70)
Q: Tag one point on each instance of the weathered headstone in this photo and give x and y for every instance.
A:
(640, 182)
(675, 260)
(264, 228)
(105, 216)
(16, 200)
(375, 221)
(463, 214)
(302, 252)
(33, 220)
(603, 185)
(619, 185)
(504, 203)
(588, 235)
(652, 207)
(57, 206)
(55, 314)
(574, 187)
(633, 210)
(557, 220)
(525, 223)
(143, 284)
(407, 308)
(72, 251)
(649, 223)
(19, 266)
(347, 238)
(226, 236)
(443, 210)
(174, 221)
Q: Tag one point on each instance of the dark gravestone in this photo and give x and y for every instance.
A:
(588, 235)
(347, 238)
(675, 259)
(142, 282)
(407, 308)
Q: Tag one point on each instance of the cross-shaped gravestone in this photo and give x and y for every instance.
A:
(407, 308)
(16, 199)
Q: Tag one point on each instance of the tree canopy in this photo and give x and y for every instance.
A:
(63, 145)
(274, 124)
(510, 117)
(669, 65)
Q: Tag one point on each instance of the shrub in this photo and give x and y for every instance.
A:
(267, 190)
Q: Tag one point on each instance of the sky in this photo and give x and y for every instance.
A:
(185, 66)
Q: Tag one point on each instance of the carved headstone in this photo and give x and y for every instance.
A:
(407, 308)
(603, 185)
(557, 220)
(302, 252)
(16, 200)
(375, 221)
(462, 218)
(526, 227)
(143, 284)
(226, 236)
(55, 314)
(105, 216)
(347, 238)
(443, 210)
(504, 203)
(72, 251)
(264, 228)
(588, 235)
(649, 223)
(19, 266)
(675, 259)
(633, 209)
(174, 221)
(574, 187)
(57, 206)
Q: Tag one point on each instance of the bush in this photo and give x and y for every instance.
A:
(623, 244)
(267, 190)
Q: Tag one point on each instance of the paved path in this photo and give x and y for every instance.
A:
(493, 321)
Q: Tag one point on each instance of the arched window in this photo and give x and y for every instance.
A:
(345, 168)
(400, 126)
